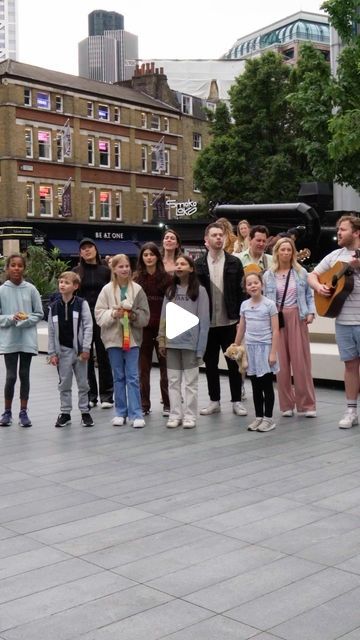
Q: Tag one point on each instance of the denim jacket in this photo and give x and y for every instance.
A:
(304, 293)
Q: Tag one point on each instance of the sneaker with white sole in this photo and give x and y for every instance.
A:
(288, 413)
(213, 407)
(350, 419)
(138, 423)
(254, 424)
(24, 420)
(173, 423)
(118, 421)
(239, 409)
(106, 405)
(166, 412)
(188, 423)
(267, 424)
(86, 420)
(310, 414)
(6, 418)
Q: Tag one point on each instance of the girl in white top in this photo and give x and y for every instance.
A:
(260, 325)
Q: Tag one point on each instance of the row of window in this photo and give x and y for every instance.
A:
(47, 201)
(47, 101)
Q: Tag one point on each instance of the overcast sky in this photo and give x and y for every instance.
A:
(49, 31)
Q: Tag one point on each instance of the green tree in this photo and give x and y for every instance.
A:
(343, 14)
(312, 102)
(253, 156)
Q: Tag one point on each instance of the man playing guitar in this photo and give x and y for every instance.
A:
(347, 324)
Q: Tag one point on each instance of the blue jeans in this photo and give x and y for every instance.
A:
(125, 370)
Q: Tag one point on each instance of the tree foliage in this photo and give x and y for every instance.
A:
(343, 14)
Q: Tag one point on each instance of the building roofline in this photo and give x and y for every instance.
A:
(321, 18)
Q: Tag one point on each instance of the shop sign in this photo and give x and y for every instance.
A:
(16, 232)
(109, 235)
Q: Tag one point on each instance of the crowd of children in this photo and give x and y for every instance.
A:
(127, 314)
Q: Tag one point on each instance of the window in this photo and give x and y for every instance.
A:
(91, 151)
(105, 205)
(117, 155)
(27, 97)
(59, 104)
(30, 209)
(145, 215)
(29, 151)
(143, 120)
(211, 106)
(59, 149)
(46, 203)
(118, 206)
(155, 122)
(44, 140)
(166, 124)
(197, 140)
(144, 158)
(104, 153)
(43, 100)
(186, 105)
(116, 114)
(92, 204)
(103, 112)
(90, 109)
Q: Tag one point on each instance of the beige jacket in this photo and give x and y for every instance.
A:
(111, 328)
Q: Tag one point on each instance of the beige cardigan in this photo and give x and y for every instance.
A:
(111, 328)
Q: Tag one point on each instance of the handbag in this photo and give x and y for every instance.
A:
(280, 312)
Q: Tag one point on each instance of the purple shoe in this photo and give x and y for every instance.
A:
(24, 420)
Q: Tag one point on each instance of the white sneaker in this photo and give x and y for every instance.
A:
(288, 414)
(239, 409)
(188, 423)
(310, 414)
(118, 421)
(267, 424)
(107, 405)
(350, 419)
(173, 423)
(254, 424)
(138, 423)
(166, 412)
(213, 407)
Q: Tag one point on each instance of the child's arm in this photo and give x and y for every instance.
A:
(275, 338)
(104, 309)
(204, 321)
(87, 331)
(161, 338)
(139, 316)
(36, 314)
(240, 331)
(53, 357)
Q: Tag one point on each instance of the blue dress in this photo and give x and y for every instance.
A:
(258, 335)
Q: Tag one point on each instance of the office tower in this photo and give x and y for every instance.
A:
(109, 53)
(8, 29)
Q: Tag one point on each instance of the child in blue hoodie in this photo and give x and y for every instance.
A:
(185, 351)
(20, 311)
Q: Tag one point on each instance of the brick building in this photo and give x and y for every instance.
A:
(113, 130)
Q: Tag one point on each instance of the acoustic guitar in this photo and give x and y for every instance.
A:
(340, 280)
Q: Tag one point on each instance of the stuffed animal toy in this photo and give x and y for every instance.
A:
(238, 353)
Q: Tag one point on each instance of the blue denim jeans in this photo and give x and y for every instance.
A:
(125, 370)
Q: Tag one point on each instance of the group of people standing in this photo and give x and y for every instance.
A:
(245, 295)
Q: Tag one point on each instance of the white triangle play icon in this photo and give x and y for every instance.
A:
(178, 320)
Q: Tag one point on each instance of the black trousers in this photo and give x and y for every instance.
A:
(106, 385)
(11, 363)
(263, 395)
(221, 337)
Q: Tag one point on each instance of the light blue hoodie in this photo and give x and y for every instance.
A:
(19, 335)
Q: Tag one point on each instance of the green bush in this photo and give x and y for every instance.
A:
(43, 268)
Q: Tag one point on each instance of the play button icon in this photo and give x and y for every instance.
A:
(178, 320)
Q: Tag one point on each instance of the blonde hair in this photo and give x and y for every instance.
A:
(70, 275)
(352, 218)
(115, 260)
(241, 243)
(275, 255)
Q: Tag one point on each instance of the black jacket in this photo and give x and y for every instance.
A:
(93, 278)
(233, 275)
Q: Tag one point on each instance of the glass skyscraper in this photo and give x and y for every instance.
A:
(8, 29)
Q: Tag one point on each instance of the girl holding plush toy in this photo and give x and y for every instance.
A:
(260, 325)
(121, 311)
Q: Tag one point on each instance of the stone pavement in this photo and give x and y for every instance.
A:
(209, 534)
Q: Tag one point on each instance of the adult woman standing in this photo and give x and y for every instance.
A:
(286, 283)
(242, 236)
(171, 249)
(152, 277)
(94, 276)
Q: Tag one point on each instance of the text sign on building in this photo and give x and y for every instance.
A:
(109, 235)
(15, 232)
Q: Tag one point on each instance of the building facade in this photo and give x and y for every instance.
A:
(285, 37)
(98, 140)
(8, 29)
(100, 21)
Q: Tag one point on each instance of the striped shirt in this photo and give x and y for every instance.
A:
(290, 298)
(350, 313)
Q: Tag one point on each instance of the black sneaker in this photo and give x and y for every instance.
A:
(86, 420)
(63, 419)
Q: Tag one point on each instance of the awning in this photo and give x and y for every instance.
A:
(106, 247)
